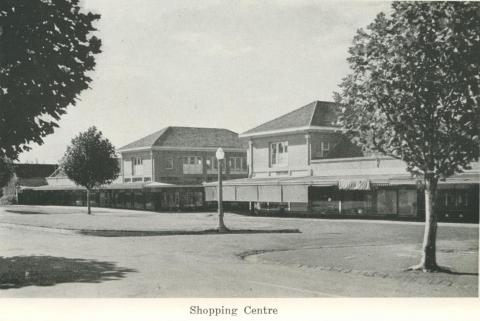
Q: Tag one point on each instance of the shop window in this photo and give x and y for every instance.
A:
(407, 202)
(387, 202)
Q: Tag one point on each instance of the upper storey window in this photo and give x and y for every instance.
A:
(321, 150)
(192, 165)
(279, 154)
(137, 166)
(237, 164)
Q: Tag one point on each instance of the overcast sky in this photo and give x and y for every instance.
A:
(229, 64)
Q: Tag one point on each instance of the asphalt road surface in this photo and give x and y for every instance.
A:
(62, 252)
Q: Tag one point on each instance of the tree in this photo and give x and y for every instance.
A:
(90, 161)
(47, 48)
(413, 94)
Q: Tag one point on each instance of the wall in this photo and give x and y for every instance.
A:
(297, 156)
(316, 138)
(358, 166)
(177, 175)
(127, 164)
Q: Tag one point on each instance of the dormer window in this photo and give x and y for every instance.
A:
(279, 154)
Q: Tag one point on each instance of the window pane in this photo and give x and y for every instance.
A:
(280, 148)
(273, 156)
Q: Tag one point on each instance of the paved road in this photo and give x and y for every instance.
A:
(55, 252)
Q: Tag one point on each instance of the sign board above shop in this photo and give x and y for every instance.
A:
(354, 185)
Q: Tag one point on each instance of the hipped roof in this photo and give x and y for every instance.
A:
(189, 137)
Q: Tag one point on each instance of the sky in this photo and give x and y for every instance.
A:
(227, 64)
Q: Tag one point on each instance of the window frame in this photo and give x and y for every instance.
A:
(274, 154)
(237, 163)
(322, 149)
(169, 163)
(137, 161)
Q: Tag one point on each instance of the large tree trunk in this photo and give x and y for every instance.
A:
(429, 261)
(88, 202)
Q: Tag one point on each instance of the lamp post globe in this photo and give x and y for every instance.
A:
(220, 154)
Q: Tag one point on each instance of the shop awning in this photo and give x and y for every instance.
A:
(295, 189)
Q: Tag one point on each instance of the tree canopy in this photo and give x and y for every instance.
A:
(47, 49)
(413, 90)
(91, 160)
(413, 94)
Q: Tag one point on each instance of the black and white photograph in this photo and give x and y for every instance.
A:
(280, 149)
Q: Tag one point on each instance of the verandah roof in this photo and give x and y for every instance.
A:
(115, 186)
(295, 189)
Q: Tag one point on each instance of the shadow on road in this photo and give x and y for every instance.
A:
(24, 212)
(21, 271)
(111, 233)
(447, 270)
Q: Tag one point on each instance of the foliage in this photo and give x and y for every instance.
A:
(47, 48)
(8, 200)
(413, 92)
(6, 171)
(90, 160)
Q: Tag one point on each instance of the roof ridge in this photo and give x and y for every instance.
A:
(313, 112)
(198, 127)
(162, 134)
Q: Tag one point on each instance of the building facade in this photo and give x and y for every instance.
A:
(183, 155)
(162, 171)
(300, 162)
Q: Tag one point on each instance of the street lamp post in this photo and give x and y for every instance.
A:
(220, 155)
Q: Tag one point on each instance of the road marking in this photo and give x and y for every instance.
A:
(295, 289)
